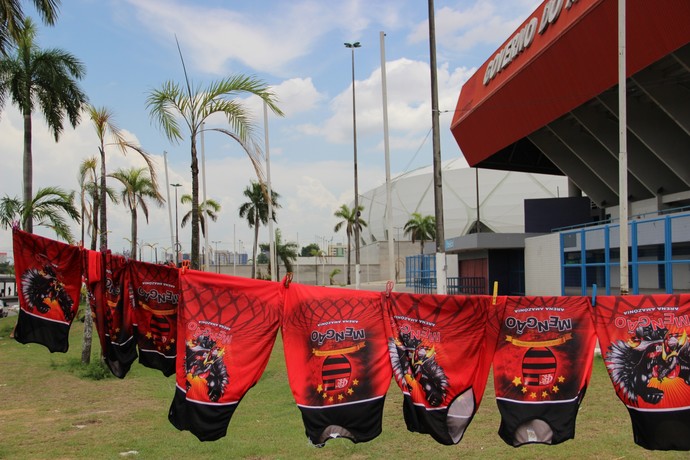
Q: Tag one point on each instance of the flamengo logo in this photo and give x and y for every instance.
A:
(524, 37)
(332, 334)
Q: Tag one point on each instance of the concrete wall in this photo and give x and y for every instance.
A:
(374, 265)
(543, 265)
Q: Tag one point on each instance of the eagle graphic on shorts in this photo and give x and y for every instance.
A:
(43, 290)
(204, 361)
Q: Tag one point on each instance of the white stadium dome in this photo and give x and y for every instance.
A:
(501, 199)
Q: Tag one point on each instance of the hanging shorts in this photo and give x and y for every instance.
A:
(644, 342)
(542, 366)
(336, 356)
(227, 327)
(440, 358)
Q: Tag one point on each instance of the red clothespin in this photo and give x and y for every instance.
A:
(389, 287)
(185, 266)
(287, 280)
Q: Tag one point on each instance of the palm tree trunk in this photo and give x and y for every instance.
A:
(88, 335)
(348, 259)
(256, 242)
(134, 232)
(27, 223)
(94, 217)
(195, 205)
(103, 217)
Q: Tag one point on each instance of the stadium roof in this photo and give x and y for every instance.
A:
(547, 100)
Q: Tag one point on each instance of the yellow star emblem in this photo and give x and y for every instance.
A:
(561, 379)
(330, 399)
(324, 396)
(350, 391)
(340, 397)
(517, 381)
(524, 389)
(533, 395)
(555, 389)
(544, 394)
(149, 335)
(319, 388)
(355, 382)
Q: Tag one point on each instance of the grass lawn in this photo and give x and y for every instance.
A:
(49, 411)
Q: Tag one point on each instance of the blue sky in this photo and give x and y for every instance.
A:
(297, 47)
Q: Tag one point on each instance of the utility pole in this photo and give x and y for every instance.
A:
(437, 166)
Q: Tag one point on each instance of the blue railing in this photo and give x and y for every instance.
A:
(658, 247)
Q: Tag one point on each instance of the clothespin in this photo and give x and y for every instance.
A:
(493, 299)
(185, 266)
(389, 287)
(287, 280)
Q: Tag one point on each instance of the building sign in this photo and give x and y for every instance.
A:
(525, 36)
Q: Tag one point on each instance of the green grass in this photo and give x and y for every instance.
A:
(50, 410)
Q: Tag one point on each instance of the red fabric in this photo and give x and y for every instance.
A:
(48, 275)
(441, 359)
(644, 342)
(336, 356)
(155, 293)
(226, 330)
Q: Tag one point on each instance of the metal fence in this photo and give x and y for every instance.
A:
(421, 276)
(658, 255)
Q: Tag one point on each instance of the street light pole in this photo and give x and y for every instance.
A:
(177, 234)
(352, 47)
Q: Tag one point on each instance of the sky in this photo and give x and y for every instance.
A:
(129, 48)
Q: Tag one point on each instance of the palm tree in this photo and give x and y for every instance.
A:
(43, 79)
(104, 124)
(422, 228)
(256, 212)
(89, 194)
(194, 106)
(207, 208)
(12, 19)
(349, 216)
(138, 187)
(51, 207)
(286, 252)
